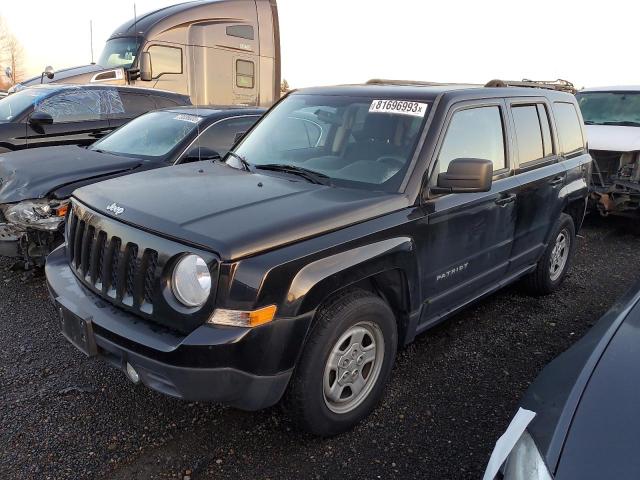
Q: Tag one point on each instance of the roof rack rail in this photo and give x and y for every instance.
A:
(382, 81)
(559, 84)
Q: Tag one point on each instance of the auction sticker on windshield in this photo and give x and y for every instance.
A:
(188, 118)
(402, 107)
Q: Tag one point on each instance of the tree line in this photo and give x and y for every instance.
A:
(11, 56)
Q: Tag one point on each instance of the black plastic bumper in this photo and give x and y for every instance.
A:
(245, 368)
(10, 240)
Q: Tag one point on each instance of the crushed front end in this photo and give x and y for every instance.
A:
(615, 182)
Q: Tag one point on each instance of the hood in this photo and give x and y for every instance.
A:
(232, 212)
(34, 173)
(603, 438)
(613, 138)
(64, 74)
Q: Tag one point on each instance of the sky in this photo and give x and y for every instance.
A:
(328, 42)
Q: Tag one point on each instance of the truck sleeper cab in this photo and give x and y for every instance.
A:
(217, 52)
(348, 220)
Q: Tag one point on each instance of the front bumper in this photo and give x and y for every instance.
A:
(10, 240)
(242, 367)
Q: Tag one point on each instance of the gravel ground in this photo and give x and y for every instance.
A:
(451, 395)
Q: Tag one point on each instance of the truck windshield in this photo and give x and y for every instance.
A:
(610, 108)
(153, 135)
(359, 142)
(16, 104)
(119, 52)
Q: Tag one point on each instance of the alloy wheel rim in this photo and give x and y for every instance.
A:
(353, 367)
(559, 255)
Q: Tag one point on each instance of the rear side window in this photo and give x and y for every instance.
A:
(245, 74)
(569, 131)
(165, 60)
(136, 104)
(474, 133)
(546, 129)
(528, 133)
(164, 102)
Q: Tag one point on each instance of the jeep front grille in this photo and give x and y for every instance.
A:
(118, 269)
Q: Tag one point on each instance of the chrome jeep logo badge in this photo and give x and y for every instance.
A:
(115, 209)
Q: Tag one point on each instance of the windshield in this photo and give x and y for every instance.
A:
(16, 104)
(152, 135)
(354, 141)
(119, 52)
(610, 108)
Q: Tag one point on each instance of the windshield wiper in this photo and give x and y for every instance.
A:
(246, 165)
(624, 123)
(309, 175)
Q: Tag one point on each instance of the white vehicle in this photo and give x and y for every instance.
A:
(612, 119)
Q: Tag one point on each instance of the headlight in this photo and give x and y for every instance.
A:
(525, 462)
(38, 214)
(191, 281)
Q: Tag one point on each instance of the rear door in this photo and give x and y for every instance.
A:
(465, 244)
(540, 175)
(79, 117)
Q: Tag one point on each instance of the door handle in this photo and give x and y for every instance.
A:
(505, 200)
(556, 181)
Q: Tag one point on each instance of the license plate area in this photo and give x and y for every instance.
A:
(78, 331)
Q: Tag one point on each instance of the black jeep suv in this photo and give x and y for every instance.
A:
(348, 220)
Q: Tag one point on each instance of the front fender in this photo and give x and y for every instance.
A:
(316, 281)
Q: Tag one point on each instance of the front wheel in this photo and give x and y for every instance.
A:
(345, 365)
(554, 264)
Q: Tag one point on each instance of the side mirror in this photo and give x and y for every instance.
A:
(145, 67)
(466, 175)
(40, 118)
(197, 154)
(49, 72)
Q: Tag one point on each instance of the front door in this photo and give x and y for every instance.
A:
(78, 118)
(467, 237)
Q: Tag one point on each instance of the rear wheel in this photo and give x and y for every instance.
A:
(345, 365)
(554, 264)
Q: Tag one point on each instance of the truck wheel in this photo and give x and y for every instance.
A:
(554, 264)
(345, 365)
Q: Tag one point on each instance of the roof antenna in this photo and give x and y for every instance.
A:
(91, 40)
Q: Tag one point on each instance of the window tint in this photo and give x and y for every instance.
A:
(528, 133)
(242, 31)
(245, 73)
(136, 104)
(569, 131)
(79, 105)
(221, 136)
(546, 129)
(164, 102)
(165, 60)
(474, 133)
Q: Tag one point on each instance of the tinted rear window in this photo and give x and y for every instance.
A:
(528, 133)
(569, 130)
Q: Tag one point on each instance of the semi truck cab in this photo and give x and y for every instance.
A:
(224, 52)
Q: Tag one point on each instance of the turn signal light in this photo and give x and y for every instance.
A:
(241, 318)
(62, 210)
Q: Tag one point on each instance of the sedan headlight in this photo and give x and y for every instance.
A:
(191, 281)
(525, 462)
(38, 214)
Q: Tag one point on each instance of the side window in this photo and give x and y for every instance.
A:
(165, 60)
(80, 105)
(569, 131)
(221, 136)
(474, 133)
(164, 102)
(136, 104)
(240, 31)
(528, 133)
(245, 74)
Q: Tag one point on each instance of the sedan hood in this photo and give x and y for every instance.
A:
(233, 212)
(603, 438)
(613, 138)
(38, 172)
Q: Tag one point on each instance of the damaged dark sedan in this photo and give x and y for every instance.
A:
(35, 185)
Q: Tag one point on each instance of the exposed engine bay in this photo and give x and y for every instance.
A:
(615, 182)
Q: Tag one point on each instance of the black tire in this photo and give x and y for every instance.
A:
(542, 281)
(305, 400)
